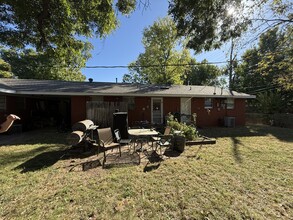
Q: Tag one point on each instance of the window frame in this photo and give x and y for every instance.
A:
(210, 106)
(230, 103)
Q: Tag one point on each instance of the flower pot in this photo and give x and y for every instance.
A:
(179, 143)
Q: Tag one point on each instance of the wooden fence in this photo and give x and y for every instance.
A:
(101, 113)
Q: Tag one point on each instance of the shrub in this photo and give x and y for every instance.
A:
(189, 131)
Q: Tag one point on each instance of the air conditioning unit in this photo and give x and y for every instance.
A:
(229, 122)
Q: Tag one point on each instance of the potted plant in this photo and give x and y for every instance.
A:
(182, 132)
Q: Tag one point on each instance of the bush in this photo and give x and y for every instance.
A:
(189, 131)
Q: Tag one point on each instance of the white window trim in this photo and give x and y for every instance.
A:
(208, 107)
(230, 103)
(152, 99)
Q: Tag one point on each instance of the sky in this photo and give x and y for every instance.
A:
(123, 45)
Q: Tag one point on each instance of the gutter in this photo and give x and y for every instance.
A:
(9, 91)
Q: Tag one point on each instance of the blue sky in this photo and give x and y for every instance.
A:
(124, 45)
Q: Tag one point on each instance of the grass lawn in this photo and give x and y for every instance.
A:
(247, 174)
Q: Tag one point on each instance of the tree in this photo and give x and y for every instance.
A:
(276, 50)
(268, 68)
(206, 24)
(210, 23)
(161, 63)
(246, 75)
(269, 102)
(203, 74)
(47, 24)
(58, 64)
(269, 65)
(52, 30)
(5, 69)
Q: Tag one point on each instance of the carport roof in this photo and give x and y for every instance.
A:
(73, 88)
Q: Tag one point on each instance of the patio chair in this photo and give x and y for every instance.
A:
(164, 141)
(120, 140)
(106, 142)
(155, 139)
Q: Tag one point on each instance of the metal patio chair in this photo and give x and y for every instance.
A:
(106, 142)
(120, 140)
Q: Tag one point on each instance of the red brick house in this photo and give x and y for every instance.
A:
(47, 102)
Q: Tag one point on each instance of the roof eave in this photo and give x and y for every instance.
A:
(9, 91)
(133, 94)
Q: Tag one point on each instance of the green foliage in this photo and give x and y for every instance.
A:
(53, 30)
(126, 6)
(156, 64)
(58, 64)
(282, 7)
(268, 67)
(134, 75)
(189, 131)
(51, 24)
(270, 102)
(5, 69)
(203, 74)
(208, 24)
(276, 50)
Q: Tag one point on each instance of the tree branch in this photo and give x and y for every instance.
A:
(273, 20)
(42, 17)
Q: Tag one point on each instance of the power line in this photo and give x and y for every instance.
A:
(185, 64)
(155, 65)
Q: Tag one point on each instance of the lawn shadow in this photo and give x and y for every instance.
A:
(19, 156)
(172, 153)
(40, 161)
(235, 149)
(154, 161)
(283, 134)
(42, 136)
(85, 166)
(126, 159)
(49, 158)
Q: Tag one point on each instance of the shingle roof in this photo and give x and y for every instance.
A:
(54, 87)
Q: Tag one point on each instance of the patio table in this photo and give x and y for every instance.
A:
(142, 136)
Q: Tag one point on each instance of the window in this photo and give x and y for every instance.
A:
(157, 110)
(208, 103)
(2, 103)
(130, 102)
(230, 103)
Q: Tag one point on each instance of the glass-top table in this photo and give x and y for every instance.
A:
(142, 132)
(142, 136)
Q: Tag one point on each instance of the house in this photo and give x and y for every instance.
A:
(43, 103)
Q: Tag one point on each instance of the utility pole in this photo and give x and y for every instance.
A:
(231, 65)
